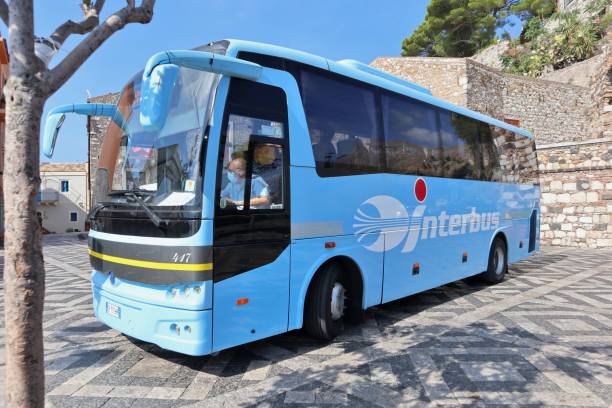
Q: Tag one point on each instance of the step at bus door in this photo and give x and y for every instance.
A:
(252, 213)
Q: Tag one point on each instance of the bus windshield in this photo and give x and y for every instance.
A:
(161, 165)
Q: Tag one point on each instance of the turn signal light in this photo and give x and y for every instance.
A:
(330, 245)
(242, 301)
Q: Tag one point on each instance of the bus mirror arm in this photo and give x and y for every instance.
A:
(55, 120)
(204, 61)
(162, 71)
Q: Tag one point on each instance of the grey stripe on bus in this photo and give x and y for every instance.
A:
(316, 229)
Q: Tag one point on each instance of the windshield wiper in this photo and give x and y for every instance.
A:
(154, 217)
(130, 192)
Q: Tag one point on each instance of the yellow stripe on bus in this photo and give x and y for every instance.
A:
(152, 265)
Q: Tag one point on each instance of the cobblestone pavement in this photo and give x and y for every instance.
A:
(543, 337)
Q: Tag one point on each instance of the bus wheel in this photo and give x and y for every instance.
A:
(325, 305)
(498, 262)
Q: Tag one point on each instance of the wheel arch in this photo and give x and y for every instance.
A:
(350, 266)
(500, 232)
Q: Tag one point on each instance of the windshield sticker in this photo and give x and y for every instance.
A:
(176, 199)
(189, 185)
(272, 130)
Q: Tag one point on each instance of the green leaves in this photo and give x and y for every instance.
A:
(572, 40)
(460, 28)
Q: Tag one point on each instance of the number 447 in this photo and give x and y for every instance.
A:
(181, 258)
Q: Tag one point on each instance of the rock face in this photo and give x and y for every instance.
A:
(569, 112)
(490, 55)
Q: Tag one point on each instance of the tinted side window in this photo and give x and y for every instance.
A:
(517, 156)
(412, 142)
(490, 170)
(343, 126)
(460, 144)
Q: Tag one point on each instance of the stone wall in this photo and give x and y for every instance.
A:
(580, 73)
(552, 111)
(445, 77)
(96, 128)
(576, 184)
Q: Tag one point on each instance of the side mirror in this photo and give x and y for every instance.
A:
(156, 95)
(52, 127)
(55, 120)
(161, 72)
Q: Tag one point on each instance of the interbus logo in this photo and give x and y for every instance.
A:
(384, 217)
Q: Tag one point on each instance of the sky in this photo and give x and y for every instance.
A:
(335, 29)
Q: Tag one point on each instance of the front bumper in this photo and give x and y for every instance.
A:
(156, 324)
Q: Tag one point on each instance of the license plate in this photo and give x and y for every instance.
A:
(113, 310)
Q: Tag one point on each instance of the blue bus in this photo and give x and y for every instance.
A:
(246, 190)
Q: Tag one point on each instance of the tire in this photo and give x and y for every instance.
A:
(320, 321)
(498, 262)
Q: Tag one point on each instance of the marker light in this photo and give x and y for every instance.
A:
(330, 245)
(242, 301)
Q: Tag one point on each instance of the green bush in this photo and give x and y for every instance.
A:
(572, 40)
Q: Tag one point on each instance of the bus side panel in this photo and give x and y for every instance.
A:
(447, 238)
(434, 263)
(251, 305)
(307, 255)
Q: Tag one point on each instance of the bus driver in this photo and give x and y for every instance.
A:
(233, 192)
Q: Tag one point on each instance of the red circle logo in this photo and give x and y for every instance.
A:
(420, 190)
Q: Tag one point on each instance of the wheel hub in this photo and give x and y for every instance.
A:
(337, 301)
(498, 261)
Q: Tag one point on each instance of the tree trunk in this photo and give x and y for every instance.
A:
(24, 273)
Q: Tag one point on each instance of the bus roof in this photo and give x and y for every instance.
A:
(365, 73)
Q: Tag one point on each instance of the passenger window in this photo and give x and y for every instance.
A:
(252, 166)
(343, 126)
(412, 142)
(490, 160)
(460, 143)
(517, 156)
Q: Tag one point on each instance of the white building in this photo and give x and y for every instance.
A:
(63, 200)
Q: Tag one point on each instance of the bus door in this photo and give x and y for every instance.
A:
(252, 215)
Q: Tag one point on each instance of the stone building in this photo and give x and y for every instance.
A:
(569, 111)
(63, 200)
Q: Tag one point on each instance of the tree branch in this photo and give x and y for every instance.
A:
(4, 12)
(115, 22)
(90, 21)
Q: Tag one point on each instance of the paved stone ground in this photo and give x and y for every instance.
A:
(543, 337)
